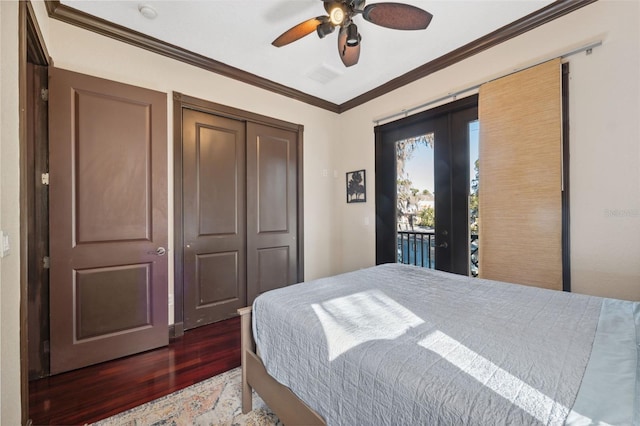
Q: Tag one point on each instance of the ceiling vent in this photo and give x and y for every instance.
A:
(324, 74)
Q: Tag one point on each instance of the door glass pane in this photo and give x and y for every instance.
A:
(473, 131)
(415, 212)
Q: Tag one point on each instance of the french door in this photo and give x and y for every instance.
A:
(448, 129)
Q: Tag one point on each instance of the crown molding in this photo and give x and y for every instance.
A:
(533, 20)
(555, 10)
(80, 19)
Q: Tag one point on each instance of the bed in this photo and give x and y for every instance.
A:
(399, 344)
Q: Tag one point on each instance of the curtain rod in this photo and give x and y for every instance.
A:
(584, 48)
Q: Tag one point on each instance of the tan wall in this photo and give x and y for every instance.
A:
(9, 217)
(605, 148)
(604, 141)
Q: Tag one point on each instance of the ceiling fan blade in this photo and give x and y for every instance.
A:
(397, 16)
(348, 54)
(297, 32)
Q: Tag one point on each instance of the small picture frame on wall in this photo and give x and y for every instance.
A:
(356, 187)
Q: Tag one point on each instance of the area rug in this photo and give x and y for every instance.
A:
(215, 401)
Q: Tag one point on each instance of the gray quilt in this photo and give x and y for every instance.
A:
(402, 345)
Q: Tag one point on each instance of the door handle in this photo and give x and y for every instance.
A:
(160, 251)
(443, 245)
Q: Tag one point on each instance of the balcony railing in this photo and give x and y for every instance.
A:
(418, 248)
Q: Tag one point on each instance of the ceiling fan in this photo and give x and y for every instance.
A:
(397, 16)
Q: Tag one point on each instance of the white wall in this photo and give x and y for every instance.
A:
(9, 217)
(604, 141)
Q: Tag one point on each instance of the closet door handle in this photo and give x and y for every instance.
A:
(160, 251)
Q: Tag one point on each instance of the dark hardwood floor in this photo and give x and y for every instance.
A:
(96, 392)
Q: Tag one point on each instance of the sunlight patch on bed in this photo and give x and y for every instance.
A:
(495, 378)
(358, 318)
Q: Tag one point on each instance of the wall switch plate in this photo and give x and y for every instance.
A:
(4, 244)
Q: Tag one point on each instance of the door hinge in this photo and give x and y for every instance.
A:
(44, 94)
(46, 262)
(46, 347)
(45, 178)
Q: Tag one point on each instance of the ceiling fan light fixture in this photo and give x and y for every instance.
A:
(340, 13)
(324, 29)
(337, 14)
(352, 35)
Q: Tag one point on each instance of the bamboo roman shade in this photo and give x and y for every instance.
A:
(520, 209)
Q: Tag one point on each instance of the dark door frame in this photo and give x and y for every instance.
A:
(180, 102)
(37, 216)
(386, 197)
(566, 223)
(31, 49)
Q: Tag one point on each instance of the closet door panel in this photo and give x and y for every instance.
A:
(271, 208)
(271, 167)
(214, 217)
(273, 268)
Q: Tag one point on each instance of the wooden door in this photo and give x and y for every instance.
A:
(213, 217)
(272, 246)
(108, 220)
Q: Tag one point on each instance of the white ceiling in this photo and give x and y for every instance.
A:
(239, 33)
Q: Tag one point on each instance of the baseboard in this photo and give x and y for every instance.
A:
(176, 330)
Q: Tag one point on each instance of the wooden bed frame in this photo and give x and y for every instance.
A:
(290, 409)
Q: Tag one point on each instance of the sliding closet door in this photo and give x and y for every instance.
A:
(521, 177)
(214, 217)
(238, 216)
(272, 173)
